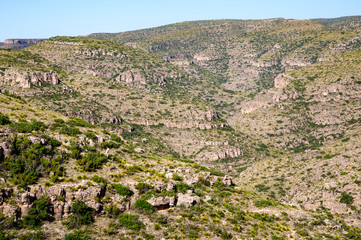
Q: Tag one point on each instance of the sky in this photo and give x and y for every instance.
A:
(47, 18)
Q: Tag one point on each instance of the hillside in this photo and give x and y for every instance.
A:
(223, 129)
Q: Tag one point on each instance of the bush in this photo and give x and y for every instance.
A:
(263, 203)
(142, 204)
(92, 161)
(30, 161)
(69, 130)
(4, 119)
(77, 235)
(33, 236)
(130, 221)
(176, 177)
(26, 127)
(98, 179)
(182, 187)
(122, 190)
(82, 215)
(38, 213)
(346, 198)
(143, 187)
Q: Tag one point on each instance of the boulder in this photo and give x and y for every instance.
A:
(161, 203)
(187, 200)
(227, 180)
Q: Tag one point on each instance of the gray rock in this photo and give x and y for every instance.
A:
(187, 200)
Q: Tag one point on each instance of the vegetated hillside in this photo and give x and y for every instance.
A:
(63, 178)
(100, 94)
(154, 134)
(314, 115)
(243, 55)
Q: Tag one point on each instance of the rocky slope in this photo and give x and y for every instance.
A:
(213, 130)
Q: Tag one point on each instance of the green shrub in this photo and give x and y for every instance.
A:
(30, 161)
(26, 127)
(4, 119)
(182, 187)
(346, 198)
(262, 188)
(32, 236)
(69, 130)
(176, 177)
(79, 123)
(109, 144)
(142, 204)
(143, 187)
(82, 214)
(263, 203)
(92, 161)
(122, 190)
(77, 235)
(38, 213)
(112, 211)
(130, 221)
(98, 179)
(302, 232)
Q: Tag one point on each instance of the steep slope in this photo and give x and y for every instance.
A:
(243, 55)
(69, 179)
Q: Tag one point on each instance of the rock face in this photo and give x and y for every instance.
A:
(252, 106)
(6, 149)
(132, 77)
(231, 152)
(23, 41)
(161, 203)
(27, 79)
(187, 200)
(282, 80)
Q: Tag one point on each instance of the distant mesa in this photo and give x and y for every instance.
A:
(20, 43)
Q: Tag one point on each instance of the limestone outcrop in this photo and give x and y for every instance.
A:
(13, 77)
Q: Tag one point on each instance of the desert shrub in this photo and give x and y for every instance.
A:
(4, 236)
(302, 232)
(115, 138)
(122, 190)
(182, 187)
(90, 135)
(38, 213)
(109, 144)
(346, 198)
(112, 211)
(69, 130)
(262, 188)
(39, 235)
(142, 204)
(77, 235)
(263, 202)
(30, 161)
(99, 179)
(4, 119)
(79, 123)
(82, 214)
(176, 177)
(28, 127)
(143, 187)
(130, 221)
(92, 161)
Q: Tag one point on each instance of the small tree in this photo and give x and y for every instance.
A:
(82, 215)
(38, 213)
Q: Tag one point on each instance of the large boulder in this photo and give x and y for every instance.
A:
(161, 203)
(187, 200)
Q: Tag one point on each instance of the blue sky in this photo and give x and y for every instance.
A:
(46, 18)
